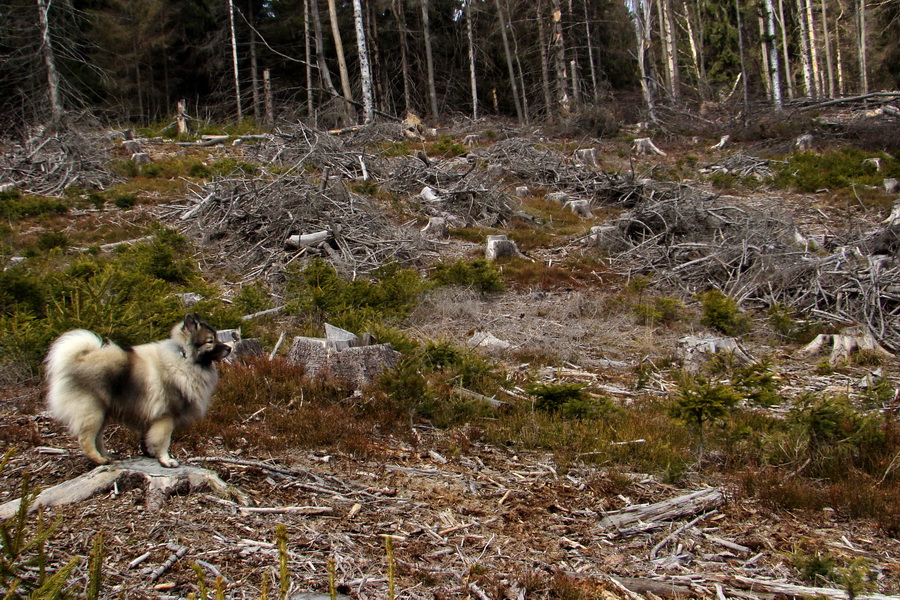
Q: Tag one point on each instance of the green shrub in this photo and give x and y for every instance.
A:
(700, 400)
(14, 206)
(722, 314)
(790, 327)
(480, 274)
(840, 169)
(662, 311)
(125, 201)
(446, 147)
(554, 397)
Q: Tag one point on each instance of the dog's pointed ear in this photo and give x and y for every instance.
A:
(191, 321)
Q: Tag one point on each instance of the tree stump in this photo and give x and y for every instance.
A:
(694, 351)
(582, 208)
(358, 360)
(646, 146)
(844, 344)
(436, 228)
(560, 197)
(159, 482)
(498, 246)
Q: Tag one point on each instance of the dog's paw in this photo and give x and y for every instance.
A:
(167, 461)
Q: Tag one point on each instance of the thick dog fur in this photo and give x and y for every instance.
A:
(153, 388)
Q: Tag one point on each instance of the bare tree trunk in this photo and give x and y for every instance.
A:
(773, 55)
(56, 108)
(429, 59)
(398, 9)
(764, 55)
(267, 95)
(788, 75)
(740, 28)
(524, 96)
(473, 82)
(509, 64)
(641, 16)
(254, 68)
(324, 73)
(595, 84)
(814, 49)
(339, 50)
(829, 69)
(669, 47)
(805, 53)
(234, 62)
(837, 46)
(562, 88)
(310, 106)
(861, 45)
(365, 74)
(695, 52)
(545, 61)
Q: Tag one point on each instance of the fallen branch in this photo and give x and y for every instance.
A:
(667, 510)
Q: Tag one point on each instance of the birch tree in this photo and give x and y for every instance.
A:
(641, 13)
(788, 76)
(365, 74)
(473, 82)
(56, 107)
(805, 52)
(545, 60)
(234, 62)
(773, 55)
(861, 46)
(829, 69)
(562, 88)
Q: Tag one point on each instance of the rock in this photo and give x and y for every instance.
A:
(522, 191)
(891, 185)
(586, 156)
(429, 195)
(804, 143)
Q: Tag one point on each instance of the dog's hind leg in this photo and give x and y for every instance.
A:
(158, 438)
(90, 437)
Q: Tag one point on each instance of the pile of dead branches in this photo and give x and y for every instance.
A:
(252, 220)
(302, 148)
(47, 164)
(691, 241)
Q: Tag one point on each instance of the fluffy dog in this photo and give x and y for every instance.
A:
(153, 388)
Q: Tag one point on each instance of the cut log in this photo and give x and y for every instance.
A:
(160, 483)
(667, 510)
(646, 146)
(843, 345)
(800, 591)
(307, 239)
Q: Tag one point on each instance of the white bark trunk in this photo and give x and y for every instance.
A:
(829, 68)
(234, 62)
(773, 55)
(364, 73)
(808, 86)
(590, 48)
(764, 55)
(473, 81)
(641, 15)
(545, 63)
(562, 88)
(56, 109)
(310, 107)
(861, 41)
(813, 49)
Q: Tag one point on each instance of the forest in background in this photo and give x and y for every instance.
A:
(131, 61)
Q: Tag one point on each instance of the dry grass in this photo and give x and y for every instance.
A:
(269, 406)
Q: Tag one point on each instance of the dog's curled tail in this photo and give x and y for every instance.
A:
(78, 362)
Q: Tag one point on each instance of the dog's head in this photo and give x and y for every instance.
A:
(199, 341)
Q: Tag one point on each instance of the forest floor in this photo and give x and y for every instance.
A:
(467, 518)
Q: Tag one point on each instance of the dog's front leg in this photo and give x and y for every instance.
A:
(158, 438)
